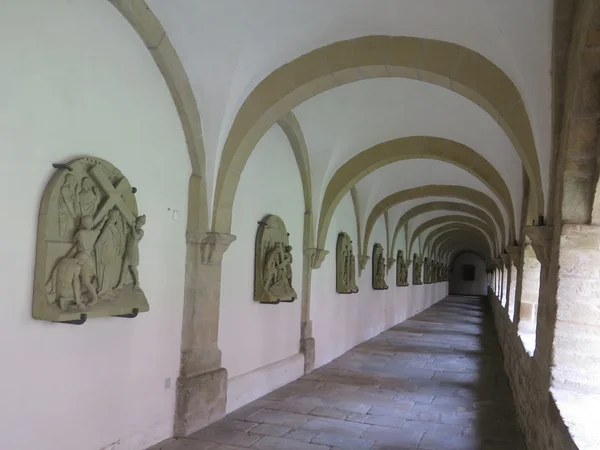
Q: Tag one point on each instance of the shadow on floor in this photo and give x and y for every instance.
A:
(433, 382)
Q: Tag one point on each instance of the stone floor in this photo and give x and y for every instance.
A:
(435, 381)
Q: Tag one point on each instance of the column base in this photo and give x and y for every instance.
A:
(307, 347)
(201, 401)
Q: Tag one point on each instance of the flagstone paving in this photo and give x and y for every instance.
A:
(435, 381)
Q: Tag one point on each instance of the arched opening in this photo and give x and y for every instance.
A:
(468, 275)
(530, 292)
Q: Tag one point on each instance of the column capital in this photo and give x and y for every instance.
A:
(212, 245)
(389, 264)
(506, 259)
(362, 263)
(499, 263)
(516, 255)
(316, 256)
(541, 241)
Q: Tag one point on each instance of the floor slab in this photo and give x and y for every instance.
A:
(435, 382)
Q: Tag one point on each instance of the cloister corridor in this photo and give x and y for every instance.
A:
(435, 381)
(300, 224)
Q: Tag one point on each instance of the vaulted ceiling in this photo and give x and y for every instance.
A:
(390, 96)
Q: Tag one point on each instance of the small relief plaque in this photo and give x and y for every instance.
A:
(401, 269)
(88, 240)
(345, 275)
(379, 268)
(273, 263)
(417, 269)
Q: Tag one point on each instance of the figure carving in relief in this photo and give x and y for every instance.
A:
(346, 266)
(67, 200)
(88, 198)
(110, 247)
(62, 281)
(65, 283)
(402, 270)
(88, 245)
(278, 272)
(132, 253)
(379, 268)
(417, 269)
(381, 271)
(352, 273)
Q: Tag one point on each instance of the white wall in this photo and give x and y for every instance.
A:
(459, 286)
(75, 80)
(342, 321)
(260, 343)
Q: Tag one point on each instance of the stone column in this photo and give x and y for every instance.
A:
(530, 285)
(202, 382)
(536, 263)
(510, 280)
(516, 259)
(501, 279)
(313, 258)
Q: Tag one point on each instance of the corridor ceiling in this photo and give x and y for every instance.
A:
(391, 96)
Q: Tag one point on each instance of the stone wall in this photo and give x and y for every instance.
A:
(540, 420)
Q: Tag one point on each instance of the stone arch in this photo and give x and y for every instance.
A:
(354, 195)
(438, 232)
(466, 234)
(459, 249)
(437, 206)
(442, 63)
(454, 219)
(291, 127)
(414, 147)
(451, 247)
(152, 33)
(461, 192)
(462, 252)
(457, 243)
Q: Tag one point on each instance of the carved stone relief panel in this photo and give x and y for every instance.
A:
(401, 269)
(273, 263)
(88, 240)
(379, 268)
(345, 275)
(417, 269)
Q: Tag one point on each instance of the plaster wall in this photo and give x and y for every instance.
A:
(460, 286)
(76, 80)
(342, 321)
(259, 341)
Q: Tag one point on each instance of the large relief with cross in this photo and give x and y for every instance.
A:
(89, 233)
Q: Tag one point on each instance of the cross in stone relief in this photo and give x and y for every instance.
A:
(115, 195)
